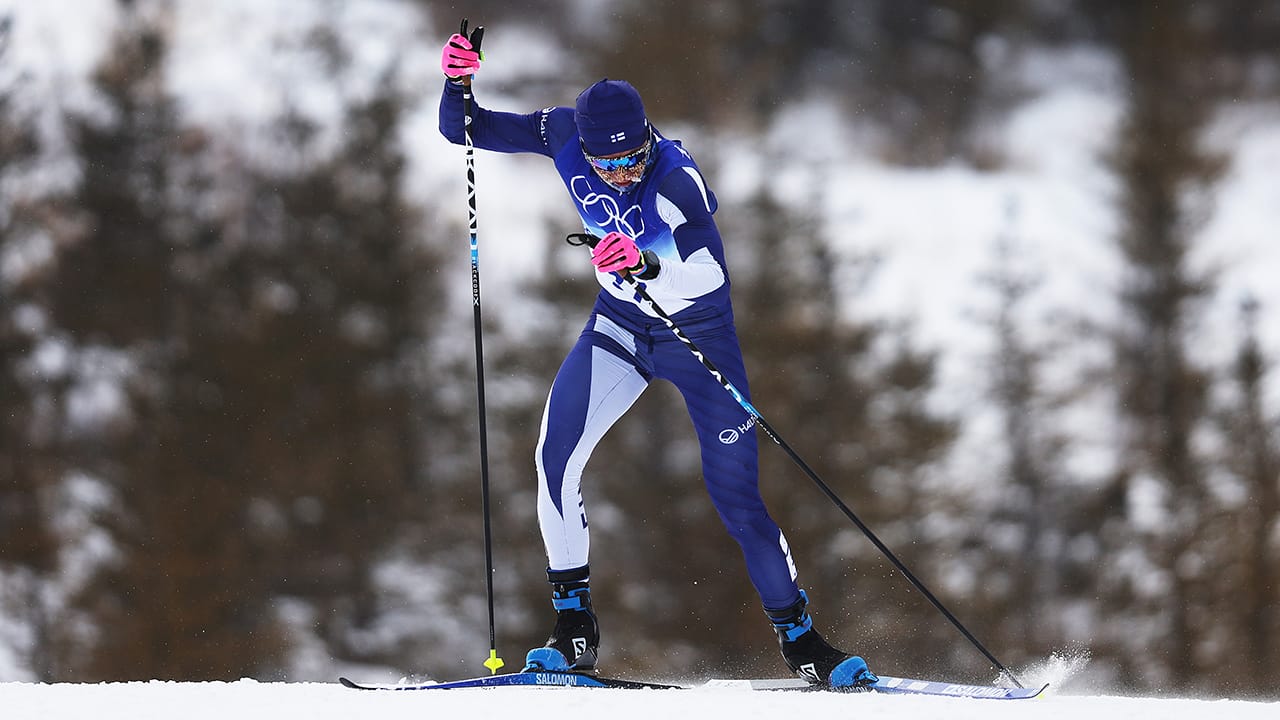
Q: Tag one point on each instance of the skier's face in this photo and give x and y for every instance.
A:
(621, 169)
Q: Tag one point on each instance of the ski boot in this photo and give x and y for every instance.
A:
(574, 641)
(810, 656)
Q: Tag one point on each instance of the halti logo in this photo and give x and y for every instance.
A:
(618, 137)
(729, 436)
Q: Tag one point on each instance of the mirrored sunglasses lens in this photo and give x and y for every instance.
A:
(621, 174)
(629, 160)
(625, 161)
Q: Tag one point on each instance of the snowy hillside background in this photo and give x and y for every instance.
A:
(934, 236)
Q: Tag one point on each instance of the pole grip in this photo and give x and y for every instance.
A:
(475, 38)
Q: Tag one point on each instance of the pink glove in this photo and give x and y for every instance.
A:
(457, 59)
(617, 253)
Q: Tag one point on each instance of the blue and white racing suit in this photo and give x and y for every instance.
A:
(623, 346)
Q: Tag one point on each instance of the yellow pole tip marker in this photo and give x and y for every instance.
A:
(494, 663)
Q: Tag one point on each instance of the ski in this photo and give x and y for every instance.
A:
(885, 684)
(543, 678)
(894, 685)
(912, 686)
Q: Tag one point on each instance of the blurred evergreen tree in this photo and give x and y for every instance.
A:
(28, 548)
(1029, 517)
(1248, 556)
(929, 71)
(925, 73)
(19, 518)
(268, 353)
(309, 372)
(1162, 390)
(180, 572)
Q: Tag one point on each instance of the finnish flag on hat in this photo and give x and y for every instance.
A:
(610, 117)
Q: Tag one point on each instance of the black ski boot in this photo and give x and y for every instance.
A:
(576, 637)
(810, 656)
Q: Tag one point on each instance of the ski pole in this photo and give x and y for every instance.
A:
(493, 662)
(590, 241)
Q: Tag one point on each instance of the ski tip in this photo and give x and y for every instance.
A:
(1027, 692)
(346, 682)
(915, 686)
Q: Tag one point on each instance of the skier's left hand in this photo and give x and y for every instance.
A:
(458, 59)
(617, 253)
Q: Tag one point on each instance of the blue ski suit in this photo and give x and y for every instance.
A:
(623, 347)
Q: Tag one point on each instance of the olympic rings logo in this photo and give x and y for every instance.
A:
(604, 210)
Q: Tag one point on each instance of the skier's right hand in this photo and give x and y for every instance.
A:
(617, 253)
(458, 59)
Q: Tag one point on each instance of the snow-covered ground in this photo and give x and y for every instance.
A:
(1068, 697)
(249, 700)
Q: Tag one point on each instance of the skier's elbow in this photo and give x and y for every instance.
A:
(452, 134)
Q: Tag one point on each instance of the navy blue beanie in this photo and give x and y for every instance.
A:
(610, 118)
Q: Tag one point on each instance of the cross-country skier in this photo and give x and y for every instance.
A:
(643, 195)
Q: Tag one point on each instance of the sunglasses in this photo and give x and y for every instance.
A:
(633, 159)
